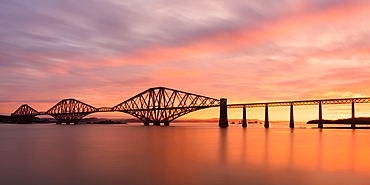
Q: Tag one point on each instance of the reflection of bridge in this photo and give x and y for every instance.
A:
(163, 105)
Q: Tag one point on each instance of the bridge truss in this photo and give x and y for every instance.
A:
(155, 105)
(163, 105)
(70, 111)
(299, 103)
(303, 102)
(25, 114)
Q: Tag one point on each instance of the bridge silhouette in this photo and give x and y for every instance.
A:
(155, 105)
(162, 105)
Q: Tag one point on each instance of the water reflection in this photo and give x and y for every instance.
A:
(352, 150)
(223, 145)
(266, 149)
(181, 154)
(244, 148)
(291, 150)
(319, 151)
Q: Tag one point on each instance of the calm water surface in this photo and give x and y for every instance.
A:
(182, 154)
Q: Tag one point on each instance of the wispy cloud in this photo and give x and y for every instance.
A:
(244, 50)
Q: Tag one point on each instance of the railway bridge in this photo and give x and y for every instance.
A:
(162, 105)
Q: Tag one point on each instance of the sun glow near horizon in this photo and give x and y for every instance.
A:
(246, 51)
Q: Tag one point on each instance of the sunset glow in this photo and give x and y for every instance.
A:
(246, 51)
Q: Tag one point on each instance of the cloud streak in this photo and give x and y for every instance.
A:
(244, 50)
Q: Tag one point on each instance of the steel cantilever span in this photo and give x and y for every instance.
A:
(163, 105)
(155, 105)
(70, 111)
(25, 114)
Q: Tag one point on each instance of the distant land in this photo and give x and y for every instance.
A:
(7, 119)
(360, 120)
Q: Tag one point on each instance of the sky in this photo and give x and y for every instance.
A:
(103, 52)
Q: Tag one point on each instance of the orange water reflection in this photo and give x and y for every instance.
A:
(181, 154)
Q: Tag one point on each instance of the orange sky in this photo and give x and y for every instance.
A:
(246, 51)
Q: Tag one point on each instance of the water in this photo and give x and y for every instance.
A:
(182, 154)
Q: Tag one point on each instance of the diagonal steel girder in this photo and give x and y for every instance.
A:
(163, 105)
(70, 111)
(25, 114)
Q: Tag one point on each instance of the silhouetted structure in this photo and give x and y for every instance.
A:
(345, 121)
(223, 122)
(244, 122)
(70, 111)
(163, 105)
(7, 119)
(155, 105)
(351, 101)
(25, 114)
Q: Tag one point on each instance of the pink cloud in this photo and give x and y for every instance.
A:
(257, 61)
(237, 39)
(171, 72)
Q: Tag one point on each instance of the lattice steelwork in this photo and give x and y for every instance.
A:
(25, 114)
(70, 111)
(305, 102)
(156, 105)
(163, 105)
(105, 109)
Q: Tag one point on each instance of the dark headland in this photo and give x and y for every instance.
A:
(361, 123)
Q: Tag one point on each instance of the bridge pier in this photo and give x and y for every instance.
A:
(320, 124)
(244, 121)
(291, 123)
(58, 123)
(353, 121)
(166, 123)
(267, 124)
(157, 123)
(223, 121)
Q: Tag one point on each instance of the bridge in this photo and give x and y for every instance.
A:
(162, 105)
(291, 104)
(155, 105)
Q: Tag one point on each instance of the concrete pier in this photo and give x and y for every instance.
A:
(291, 123)
(267, 124)
(223, 121)
(353, 121)
(320, 125)
(244, 122)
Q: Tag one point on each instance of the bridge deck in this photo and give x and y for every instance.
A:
(163, 105)
(301, 102)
